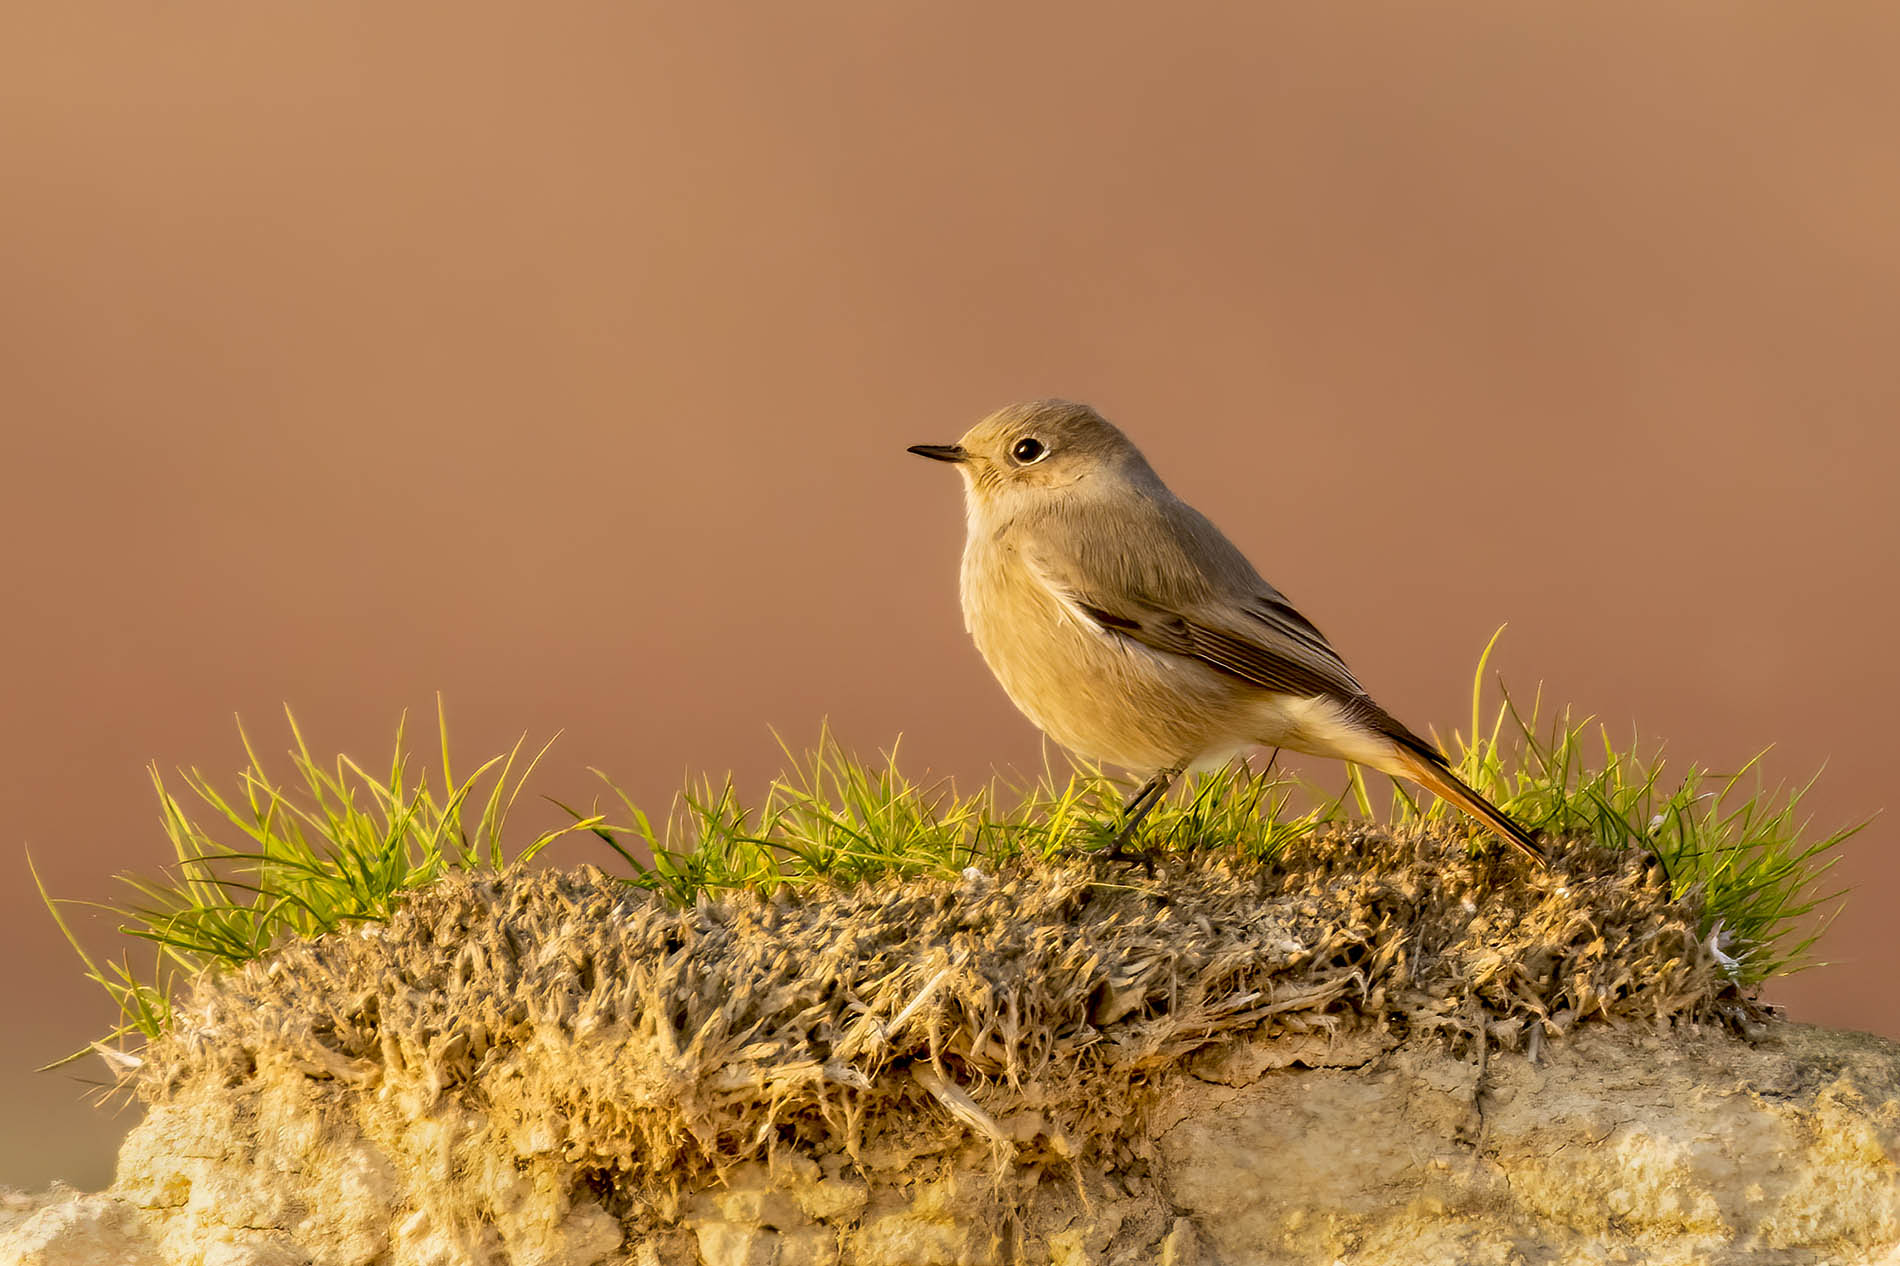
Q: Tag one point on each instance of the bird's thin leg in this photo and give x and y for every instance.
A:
(1137, 808)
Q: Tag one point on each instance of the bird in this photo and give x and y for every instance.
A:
(1121, 621)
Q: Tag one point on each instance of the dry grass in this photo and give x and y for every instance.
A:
(1034, 1004)
(266, 864)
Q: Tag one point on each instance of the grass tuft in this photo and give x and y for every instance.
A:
(343, 844)
(1735, 842)
(340, 845)
(833, 818)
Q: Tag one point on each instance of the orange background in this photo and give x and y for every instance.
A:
(561, 358)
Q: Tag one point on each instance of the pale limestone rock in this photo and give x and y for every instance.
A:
(1643, 1148)
(64, 1228)
(1631, 1146)
(724, 1243)
(1181, 1246)
(282, 1167)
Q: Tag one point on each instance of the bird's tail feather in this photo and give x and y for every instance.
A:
(1430, 771)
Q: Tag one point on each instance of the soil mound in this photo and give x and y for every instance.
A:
(1377, 1049)
(1035, 1007)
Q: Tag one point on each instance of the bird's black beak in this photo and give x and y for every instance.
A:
(940, 452)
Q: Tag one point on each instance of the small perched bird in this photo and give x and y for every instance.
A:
(1123, 623)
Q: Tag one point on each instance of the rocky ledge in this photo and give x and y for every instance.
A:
(1378, 1050)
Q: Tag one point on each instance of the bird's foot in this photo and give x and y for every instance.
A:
(1118, 850)
(1091, 848)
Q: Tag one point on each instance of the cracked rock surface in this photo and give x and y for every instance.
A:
(1616, 1146)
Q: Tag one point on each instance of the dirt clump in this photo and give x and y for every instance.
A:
(669, 1042)
(1038, 1065)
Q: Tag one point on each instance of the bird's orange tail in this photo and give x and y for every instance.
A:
(1430, 771)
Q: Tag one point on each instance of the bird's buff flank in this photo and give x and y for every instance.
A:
(1131, 631)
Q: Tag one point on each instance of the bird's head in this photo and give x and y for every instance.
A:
(1037, 450)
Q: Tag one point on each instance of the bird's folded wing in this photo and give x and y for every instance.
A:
(1258, 637)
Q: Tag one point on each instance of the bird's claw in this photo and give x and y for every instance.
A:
(1118, 851)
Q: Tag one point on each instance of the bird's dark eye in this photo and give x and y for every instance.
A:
(1030, 450)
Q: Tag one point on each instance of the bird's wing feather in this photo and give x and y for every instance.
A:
(1264, 655)
(1166, 578)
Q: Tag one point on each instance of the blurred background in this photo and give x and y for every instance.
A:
(561, 359)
